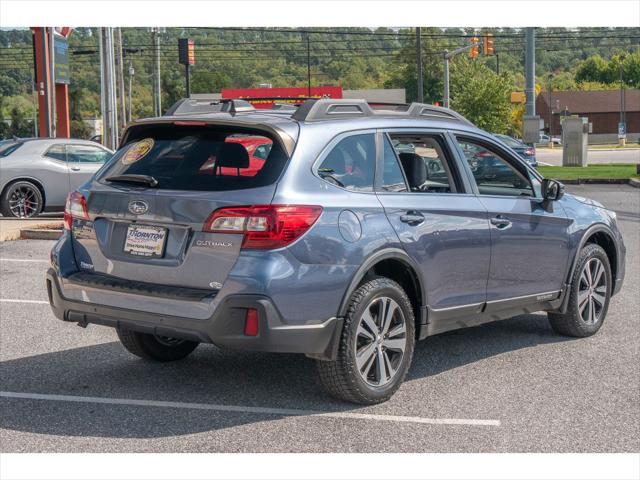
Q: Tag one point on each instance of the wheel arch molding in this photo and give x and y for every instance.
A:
(386, 257)
(612, 249)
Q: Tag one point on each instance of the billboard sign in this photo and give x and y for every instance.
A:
(186, 51)
(61, 59)
(266, 97)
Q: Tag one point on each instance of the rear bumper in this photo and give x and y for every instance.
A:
(224, 328)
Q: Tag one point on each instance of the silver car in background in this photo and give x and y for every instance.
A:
(36, 174)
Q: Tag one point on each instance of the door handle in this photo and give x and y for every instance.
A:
(75, 169)
(500, 222)
(412, 218)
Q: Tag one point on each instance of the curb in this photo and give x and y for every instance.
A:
(634, 182)
(602, 181)
(36, 234)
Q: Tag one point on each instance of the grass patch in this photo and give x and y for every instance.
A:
(610, 170)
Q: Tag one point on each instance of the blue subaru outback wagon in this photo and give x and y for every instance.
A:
(317, 231)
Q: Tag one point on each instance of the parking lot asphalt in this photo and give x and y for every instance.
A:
(510, 386)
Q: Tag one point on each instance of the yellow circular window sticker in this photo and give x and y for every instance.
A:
(137, 151)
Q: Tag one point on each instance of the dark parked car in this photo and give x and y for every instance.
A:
(339, 247)
(527, 152)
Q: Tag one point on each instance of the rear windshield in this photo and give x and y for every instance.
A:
(205, 158)
(8, 147)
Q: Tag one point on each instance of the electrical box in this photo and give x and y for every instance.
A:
(575, 137)
(532, 126)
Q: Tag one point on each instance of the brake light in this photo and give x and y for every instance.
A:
(264, 226)
(76, 207)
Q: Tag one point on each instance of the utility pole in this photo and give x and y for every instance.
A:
(530, 72)
(157, 99)
(419, 65)
(445, 99)
(108, 94)
(52, 81)
(131, 74)
(308, 65)
(120, 77)
(622, 127)
(497, 64)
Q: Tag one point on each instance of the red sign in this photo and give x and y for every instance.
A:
(266, 97)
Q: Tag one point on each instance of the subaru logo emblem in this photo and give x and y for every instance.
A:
(138, 207)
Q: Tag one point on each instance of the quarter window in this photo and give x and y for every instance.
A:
(351, 163)
(392, 177)
(57, 152)
(86, 154)
(493, 174)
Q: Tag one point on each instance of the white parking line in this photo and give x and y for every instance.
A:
(19, 300)
(255, 410)
(25, 260)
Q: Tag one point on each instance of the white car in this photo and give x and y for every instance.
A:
(36, 174)
(544, 140)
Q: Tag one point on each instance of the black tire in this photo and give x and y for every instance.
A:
(151, 347)
(341, 377)
(33, 201)
(573, 323)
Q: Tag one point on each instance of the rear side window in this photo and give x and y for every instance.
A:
(86, 154)
(208, 158)
(351, 163)
(57, 152)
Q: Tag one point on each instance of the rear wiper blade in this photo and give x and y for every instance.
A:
(131, 178)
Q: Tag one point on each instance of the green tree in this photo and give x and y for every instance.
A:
(20, 126)
(481, 95)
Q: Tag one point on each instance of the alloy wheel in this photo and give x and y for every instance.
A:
(23, 201)
(380, 341)
(592, 291)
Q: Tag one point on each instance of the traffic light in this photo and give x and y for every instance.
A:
(488, 44)
(473, 53)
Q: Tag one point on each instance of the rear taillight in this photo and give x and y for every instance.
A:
(264, 226)
(530, 151)
(76, 207)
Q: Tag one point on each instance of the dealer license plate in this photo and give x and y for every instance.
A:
(145, 241)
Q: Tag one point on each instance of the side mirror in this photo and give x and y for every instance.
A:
(552, 190)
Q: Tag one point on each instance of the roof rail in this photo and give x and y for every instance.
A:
(329, 109)
(424, 110)
(187, 106)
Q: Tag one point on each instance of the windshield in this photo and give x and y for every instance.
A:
(205, 158)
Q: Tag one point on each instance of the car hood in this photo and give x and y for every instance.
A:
(586, 201)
